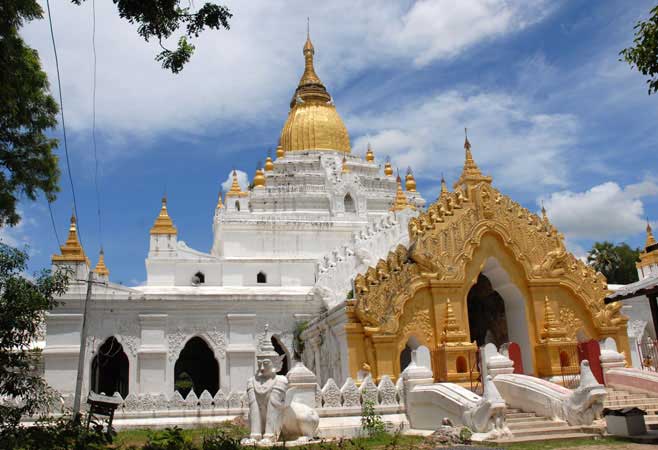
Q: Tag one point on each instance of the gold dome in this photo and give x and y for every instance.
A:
(313, 122)
(259, 179)
(370, 156)
(410, 181)
(388, 169)
(269, 165)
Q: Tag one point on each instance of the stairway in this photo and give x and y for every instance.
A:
(527, 426)
(624, 399)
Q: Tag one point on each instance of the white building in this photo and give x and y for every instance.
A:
(283, 252)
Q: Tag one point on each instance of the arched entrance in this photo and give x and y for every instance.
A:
(497, 312)
(196, 369)
(423, 356)
(280, 349)
(109, 369)
(350, 206)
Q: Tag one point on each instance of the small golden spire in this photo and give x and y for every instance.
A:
(388, 169)
(553, 329)
(259, 179)
(401, 202)
(269, 165)
(410, 181)
(71, 251)
(101, 269)
(345, 168)
(452, 332)
(370, 156)
(471, 173)
(220, 204)
(544, 215)
(309, 76)
(650, 239)
(163, 223)
(236, 190)
(280, 152)
(444, 186)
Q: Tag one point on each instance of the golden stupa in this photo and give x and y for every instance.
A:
(313, 122)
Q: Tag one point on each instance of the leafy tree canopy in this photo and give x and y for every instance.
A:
(160, 19)
(23, 303)
(643, 54)
(616, 262)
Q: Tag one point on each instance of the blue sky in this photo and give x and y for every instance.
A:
(552, 114)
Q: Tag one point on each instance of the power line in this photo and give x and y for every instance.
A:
(61, 106)
(52, 221)
(93, 122)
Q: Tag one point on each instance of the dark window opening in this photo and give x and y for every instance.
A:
(109, 369)
(237, 205)
(199, 278)
(261, 277)
(350, 206)
(196, 369)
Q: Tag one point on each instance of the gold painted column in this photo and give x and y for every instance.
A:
(388, 362)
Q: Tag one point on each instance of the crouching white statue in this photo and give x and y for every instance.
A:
(271, 414)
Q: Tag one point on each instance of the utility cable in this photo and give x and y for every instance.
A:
(93, 122)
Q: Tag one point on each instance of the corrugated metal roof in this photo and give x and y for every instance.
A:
(642, 287)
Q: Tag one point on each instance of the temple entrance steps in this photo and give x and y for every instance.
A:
(623, 399)
(528, 426)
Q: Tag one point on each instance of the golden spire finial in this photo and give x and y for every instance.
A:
(259, 178)
(220, 204)
(101, 269)
(309, 76)
(400, 202)
(544, 216)
(444, 186)
(71, 251)
(388, 168)
(452, 332)
(370, 156)
(236, 190)
(163, 223)
(410, 181)
(650, 239)
(345, 168)
(553, 329)
(280, 152)
(269, 165)
(471, 173)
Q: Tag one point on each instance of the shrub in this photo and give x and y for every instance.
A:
(168, 439)
(371, 421)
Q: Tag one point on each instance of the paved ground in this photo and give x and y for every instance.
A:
(616, 447)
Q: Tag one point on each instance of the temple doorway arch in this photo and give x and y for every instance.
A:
(110, 369)
(350, 206)
(423, 357)
(497, 312)
(196, 369)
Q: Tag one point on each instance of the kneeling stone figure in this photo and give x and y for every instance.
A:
(271, 414)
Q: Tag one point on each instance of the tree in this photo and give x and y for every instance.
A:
(23, 303)
(644, 52)
(159, 19)
(615, 262)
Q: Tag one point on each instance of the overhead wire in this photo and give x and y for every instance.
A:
(61, 107)
(93, 123)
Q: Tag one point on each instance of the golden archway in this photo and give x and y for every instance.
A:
(422, 290)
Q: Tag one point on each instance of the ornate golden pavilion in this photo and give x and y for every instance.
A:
(476, 241)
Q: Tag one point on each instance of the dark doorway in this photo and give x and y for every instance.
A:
(196, 369)
(280, 350)
(486, 314)
(405, 357)
(350, 206)
(109, 369)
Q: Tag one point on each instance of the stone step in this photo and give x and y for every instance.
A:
(526, 419)
(520, 415)
(544, 424)
(642, 404)
(558, 428)
(545, 437)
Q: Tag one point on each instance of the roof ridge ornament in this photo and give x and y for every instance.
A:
(471, 174)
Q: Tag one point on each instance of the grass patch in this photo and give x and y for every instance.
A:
(138, 437)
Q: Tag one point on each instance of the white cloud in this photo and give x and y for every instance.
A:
(243, 181)
(248, 73)
(511, 141)
(606, 211)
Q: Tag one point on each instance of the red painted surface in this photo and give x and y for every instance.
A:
(591, 351)
(514, 352)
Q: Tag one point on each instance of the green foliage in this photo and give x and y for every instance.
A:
(644, 52)
(350, 294)
(371, 421)
(615, 262)
(23, 303)
(55, 434)
(220, 440)
(160, 19)
(465, 435)
(297, 342)
(27, 110)
(168, 439)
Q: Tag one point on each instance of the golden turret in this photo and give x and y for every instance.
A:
(370, 156)
(220, 204)
(650, 239)
(236, 190)
(401, 202)
(410, 181)
(259, 179)
(345, 168)
(471, 173)
(101, 269)
(269, 165)
(71, 251)
(649, 257)
(163, 223)
(388, 169)
(313, 122)
(444, 186)
(280, 153)
(553, 329)
(452, 332)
